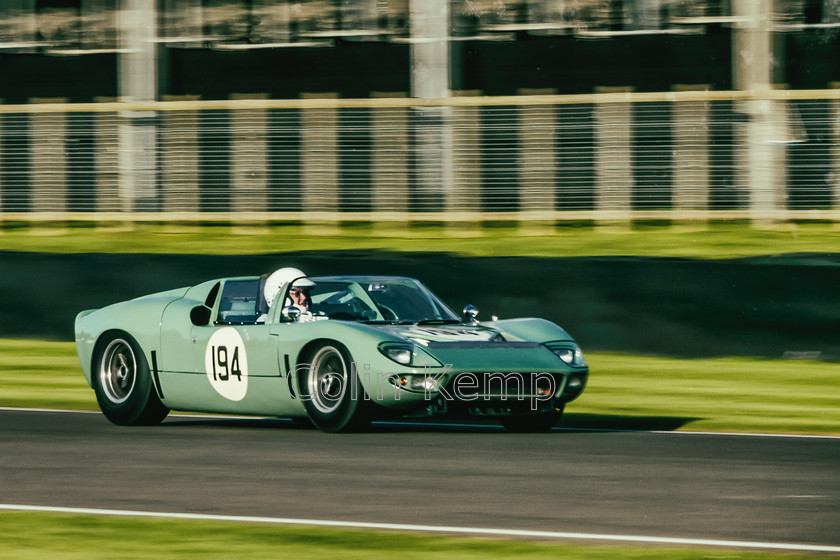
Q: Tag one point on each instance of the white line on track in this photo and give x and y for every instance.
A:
(431, 528)
(16, 409)
(452, 425)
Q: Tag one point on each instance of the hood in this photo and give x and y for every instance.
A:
(443, 333)
(472, 348)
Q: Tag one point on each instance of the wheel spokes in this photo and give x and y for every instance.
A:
(327, 380)
(117, 374)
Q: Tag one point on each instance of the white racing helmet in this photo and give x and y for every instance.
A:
(278, 279)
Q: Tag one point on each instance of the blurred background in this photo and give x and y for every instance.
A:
(480, 119)
(530, 111)
(82, 49)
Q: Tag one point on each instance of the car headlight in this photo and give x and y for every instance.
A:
(569, 353)
(400, 354)
(407, 354)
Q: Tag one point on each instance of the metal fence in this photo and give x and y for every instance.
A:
(610, 157)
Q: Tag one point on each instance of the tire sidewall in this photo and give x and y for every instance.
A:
(130, 410)
(347, 415)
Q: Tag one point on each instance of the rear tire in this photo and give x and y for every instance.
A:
(123, 383)
(330, 390)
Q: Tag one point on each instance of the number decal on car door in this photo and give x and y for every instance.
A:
(223, 366)
(226, 364)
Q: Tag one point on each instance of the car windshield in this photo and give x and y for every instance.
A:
(378, 300)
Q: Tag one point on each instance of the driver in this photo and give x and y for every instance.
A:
(298, 295)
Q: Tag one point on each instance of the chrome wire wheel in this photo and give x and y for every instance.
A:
(327, 380)
(118, 371)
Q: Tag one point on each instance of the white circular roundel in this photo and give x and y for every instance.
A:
(226, 364)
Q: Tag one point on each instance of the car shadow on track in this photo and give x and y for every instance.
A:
(197, 420)
(570, 422)
(613, 422)
(384, 426)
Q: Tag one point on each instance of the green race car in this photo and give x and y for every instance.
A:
(340, 351)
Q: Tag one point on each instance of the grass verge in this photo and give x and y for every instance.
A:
(624, 392)
(713, 240)
(71, 537)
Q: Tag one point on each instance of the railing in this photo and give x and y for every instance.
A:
(612, 157)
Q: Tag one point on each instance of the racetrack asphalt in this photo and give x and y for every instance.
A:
(695, 486)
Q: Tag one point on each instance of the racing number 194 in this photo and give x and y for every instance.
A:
(223, 361)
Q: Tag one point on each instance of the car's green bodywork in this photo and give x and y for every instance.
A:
(257, 372)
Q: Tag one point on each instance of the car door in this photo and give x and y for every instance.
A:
(239, 363)
(232, 362)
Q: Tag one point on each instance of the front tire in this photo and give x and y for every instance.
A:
(331, 392)
(123, 383)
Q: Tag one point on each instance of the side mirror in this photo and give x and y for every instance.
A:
(200, 315)
(469, 314)
(291, 313)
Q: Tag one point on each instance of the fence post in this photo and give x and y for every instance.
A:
(463, 197)
(764, 136)
(537, 165)
(319, 165)
(614, 158)
(763, 170)
(107, 161)
(691, 157)
(180, 171)
(249, 176)
(47, 146)
(835, 154)
(390, 189)
(137, 161)
(137, 71)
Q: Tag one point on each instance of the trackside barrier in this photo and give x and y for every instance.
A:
(611, 157)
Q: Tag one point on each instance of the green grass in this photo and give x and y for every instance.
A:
(624, 392)
(42, 374)
(726, 394)
(718, 240)
(70, 537)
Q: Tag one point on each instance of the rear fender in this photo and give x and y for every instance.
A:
(85, 342)
(140, 318)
